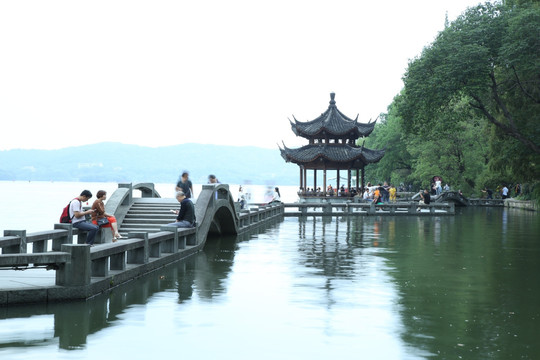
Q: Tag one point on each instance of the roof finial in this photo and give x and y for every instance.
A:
(332, 96)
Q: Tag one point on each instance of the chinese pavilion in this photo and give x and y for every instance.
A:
(332, 146)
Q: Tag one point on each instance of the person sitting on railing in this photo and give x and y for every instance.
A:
(276, 196)
(241, 198)
(99, 215)
(78, 216)
(186, 214)
(426, 198)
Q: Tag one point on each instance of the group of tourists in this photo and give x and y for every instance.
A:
(100, 219)
(502, 191)
(330, 191)
(379, 194)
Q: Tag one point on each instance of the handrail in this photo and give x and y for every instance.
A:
(147, 190)
(370, 208)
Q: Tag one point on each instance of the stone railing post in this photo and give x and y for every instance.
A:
(139, 255)
(171, 246)
(191, 239)
(68, 239)
(327, 208)
(21, 247)
(372, 209)
(76, 272)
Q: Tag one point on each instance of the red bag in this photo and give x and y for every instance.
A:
(65, 218)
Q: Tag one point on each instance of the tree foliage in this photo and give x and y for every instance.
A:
(470, 108)
(491, 56)
(453, 147)
(395, 167)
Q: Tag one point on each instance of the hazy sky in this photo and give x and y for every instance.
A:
(157, 73)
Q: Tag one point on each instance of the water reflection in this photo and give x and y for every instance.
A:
(372, 287)
(71, 323)
(461, 294)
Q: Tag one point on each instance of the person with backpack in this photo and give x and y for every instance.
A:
(78, 216)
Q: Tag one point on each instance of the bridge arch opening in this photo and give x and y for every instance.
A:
(223, 222)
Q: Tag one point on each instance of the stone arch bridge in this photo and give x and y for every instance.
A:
(215, 209)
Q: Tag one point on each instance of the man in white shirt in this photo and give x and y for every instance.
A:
(78, 216)
(504, 192)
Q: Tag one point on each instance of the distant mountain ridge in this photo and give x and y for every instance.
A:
(116, 162)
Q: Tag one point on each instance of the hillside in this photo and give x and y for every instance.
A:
(115, 162)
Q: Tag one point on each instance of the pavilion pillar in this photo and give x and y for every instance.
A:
(324, 177)
(349, 180)
(338, 179)
(362, 177)
(314, 181)
(305, 178)
(302, 187)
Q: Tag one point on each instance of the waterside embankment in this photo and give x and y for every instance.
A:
(529, 205)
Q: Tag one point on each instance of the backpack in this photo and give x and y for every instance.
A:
(65, 218)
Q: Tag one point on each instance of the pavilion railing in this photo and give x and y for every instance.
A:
(368, 208)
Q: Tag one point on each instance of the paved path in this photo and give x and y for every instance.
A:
(31, 278)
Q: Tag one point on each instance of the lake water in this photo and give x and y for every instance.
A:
(452, 287)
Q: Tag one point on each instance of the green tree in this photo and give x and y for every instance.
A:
(395, 167)
(453, 147)
(490, 56)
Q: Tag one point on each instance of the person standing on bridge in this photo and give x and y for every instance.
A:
(504, 192)
(489, 193)
(392, 191)
(186, 214)
(185, 185)
(212, 179)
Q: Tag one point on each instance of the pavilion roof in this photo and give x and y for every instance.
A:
(332, 123)
(339, 155)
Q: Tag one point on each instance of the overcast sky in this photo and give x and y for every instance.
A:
(157, 73)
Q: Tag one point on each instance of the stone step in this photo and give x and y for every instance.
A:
(141, 225)
(142, 213)
(150, 216)
(148, 220)
(126, 231)
(154, 208)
